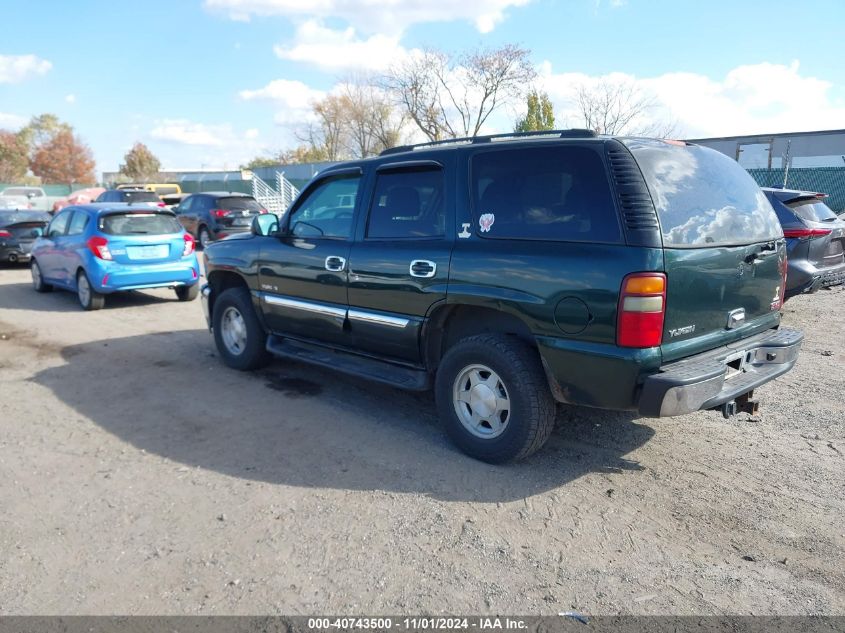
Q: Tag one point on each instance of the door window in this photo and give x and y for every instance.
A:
(78, 223)
(327, 210)
(407, 204)
(58, 225)
(559, 193)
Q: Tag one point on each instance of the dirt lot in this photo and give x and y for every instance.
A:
(141, 476)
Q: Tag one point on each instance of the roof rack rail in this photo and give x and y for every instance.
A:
(490, 138)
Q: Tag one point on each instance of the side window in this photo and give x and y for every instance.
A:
(78, 223)
(545, 193)
(186, 205)
(327, 210)
(407, 204)
(58, 225)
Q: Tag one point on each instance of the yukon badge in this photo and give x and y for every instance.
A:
(680, 331)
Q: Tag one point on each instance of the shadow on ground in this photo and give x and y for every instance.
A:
(22, 296)
(294, 424)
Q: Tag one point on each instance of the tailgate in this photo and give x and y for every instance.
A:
(717, 295)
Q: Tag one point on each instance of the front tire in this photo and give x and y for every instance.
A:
(493, 398)
(187, 293)
(238, 334)
(38, 279)
(89, 298)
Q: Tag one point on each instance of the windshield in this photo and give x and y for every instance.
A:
(139, 196)
(702, 197)
(139, 224)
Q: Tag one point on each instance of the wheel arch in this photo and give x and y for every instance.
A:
(222, 280)
(450, 323)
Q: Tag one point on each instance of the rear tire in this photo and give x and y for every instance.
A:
(38, 279)
(188, 293)
(238, 334)
(493, 397)
(89, 298)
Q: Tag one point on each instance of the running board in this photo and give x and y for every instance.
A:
(362, 366)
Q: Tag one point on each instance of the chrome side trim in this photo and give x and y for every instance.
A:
(307, 306)
(381, 319)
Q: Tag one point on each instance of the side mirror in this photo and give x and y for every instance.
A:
(265, 224)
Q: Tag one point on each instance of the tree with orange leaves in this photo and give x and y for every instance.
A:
(63, 159)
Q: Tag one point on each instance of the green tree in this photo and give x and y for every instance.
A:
(42, 129)
(140, 163)
(14, 157)
(262, 161)
(540, 115)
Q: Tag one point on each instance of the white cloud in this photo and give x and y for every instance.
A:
(332, 49)
(374, 16)
(16, 68)
(292, 99)
(184, 132)
(193, 145)
(11, 121)
(751, 99)
(71, 98)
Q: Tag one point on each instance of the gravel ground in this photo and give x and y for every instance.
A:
(140, 476)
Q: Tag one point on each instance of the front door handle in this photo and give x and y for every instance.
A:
(423, 268)
(335, 263)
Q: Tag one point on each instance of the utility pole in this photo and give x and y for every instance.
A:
(786, 164)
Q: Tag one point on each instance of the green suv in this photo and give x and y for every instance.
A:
(512, 272)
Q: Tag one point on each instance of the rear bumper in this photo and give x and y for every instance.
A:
(707, 380)
(803, 276)
(112, 277)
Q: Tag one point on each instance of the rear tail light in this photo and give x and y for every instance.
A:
(5, 234)
(161, 204)
(810, 233)
(100, 247)
(219, 213)
(190, 244)
(642, 307)
(262, 211)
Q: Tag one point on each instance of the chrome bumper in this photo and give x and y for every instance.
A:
(711, 379)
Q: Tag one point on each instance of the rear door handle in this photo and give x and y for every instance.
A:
(335, 263)
(423, 268)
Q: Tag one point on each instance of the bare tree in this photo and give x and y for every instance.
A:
(370, 121)
(621, 107)
(447, 96)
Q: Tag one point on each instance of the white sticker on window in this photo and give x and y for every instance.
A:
(485, 222)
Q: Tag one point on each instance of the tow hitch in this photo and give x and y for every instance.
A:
(743, 404)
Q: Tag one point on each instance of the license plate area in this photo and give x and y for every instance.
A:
(242, 221)
(150, 251)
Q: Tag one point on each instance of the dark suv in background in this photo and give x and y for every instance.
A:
(131, 196)
(815, 240)
(212, 215)
(510, 272)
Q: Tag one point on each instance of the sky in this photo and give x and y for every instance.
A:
(212, 83)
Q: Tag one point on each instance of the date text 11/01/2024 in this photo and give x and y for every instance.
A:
(417, 623)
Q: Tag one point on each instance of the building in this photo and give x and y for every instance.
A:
(814, 161)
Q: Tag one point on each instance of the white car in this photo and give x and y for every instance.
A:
(23, 198)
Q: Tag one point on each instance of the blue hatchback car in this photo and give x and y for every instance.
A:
(97, 249)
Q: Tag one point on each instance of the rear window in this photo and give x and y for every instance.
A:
(25, 230)
(543, 193)
(238, 204)
(139, 196)
(139, 224)
(702, 197)
(812, 211)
